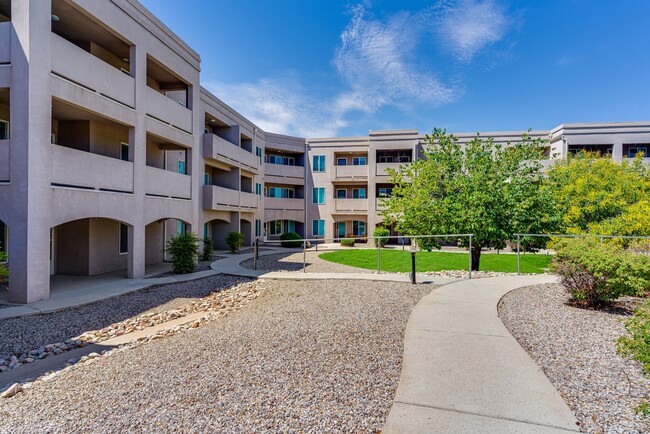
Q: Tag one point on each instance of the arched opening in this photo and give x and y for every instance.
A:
(4, 255)
(217, 230)
(89, 246)
(246, 228)
(157, 234)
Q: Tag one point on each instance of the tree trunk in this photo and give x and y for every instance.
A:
(476, 257)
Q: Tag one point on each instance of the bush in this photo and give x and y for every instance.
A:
(4, 272)
(206, 253)
(347, 242)
(381, 232)
(291, 239)
(235, 240)
(427, 244)
(596, 274)
(184, 250)
(637, 344)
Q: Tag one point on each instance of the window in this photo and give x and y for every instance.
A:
(180, 227)
(275, 227)
(341, 193)
(4, 130)
(258, 227)
(359, 193)
(341, 161)
(288, 193)
(318, 163)
(318, 228)
(632, 151)
(206, 230)
(359, 161)
(258, 152)
(385, 192)
(124, 239)
(288, 226)
(318, 195)
(258, 189)
(206, 178)
(288, 161)
(181, 167)
(358, 228)
(385, 158)
(124, 152)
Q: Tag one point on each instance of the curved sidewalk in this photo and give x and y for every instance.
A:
(463, 372)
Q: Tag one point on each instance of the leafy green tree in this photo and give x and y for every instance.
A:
(601, 196)
(483, 188)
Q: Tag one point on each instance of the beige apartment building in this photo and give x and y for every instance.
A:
(109, 145)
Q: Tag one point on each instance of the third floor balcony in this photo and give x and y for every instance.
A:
(5, 42)
(220, 149)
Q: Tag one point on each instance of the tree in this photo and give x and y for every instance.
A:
(485, 189)
(600, 196)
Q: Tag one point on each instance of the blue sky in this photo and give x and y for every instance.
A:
(321, 68)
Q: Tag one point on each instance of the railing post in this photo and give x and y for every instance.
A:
(378, 258)
(255, 253)
(518, 255)
(413, 266)
(470, 256)
(304, 256)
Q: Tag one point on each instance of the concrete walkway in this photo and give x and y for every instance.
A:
(463, 371)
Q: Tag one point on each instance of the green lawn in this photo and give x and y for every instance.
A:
(400, 261)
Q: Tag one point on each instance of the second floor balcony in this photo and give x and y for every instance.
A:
(5, 42)
(351, 205)
(285, 171)
(4, 160)
(351, 173)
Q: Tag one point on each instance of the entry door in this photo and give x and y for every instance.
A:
(341, 229)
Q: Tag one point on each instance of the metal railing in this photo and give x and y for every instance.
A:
(601, 237)
(383, 239)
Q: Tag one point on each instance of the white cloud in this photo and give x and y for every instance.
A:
(468, 26)
(279, 105)
(375, 59)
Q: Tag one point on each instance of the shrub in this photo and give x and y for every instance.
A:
(427, 244)
(184, 250)
(347, 242)
(291, 239)
(206, 253)
(637, 344)
(596, 274)
(381, 232)
(235, 240)
(4, 272)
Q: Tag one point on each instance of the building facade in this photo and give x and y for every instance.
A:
(109, 145)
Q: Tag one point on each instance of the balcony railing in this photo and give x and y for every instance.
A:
(284, 204)
(166, 183)
(351, 205)
(216, 198)
(351, 172)
(4, 160)
(5, 42)
(285, 171)
(249, 200)
(74, 168)
(381, 168)
(81, 67)
(169, 111)
(220, 149)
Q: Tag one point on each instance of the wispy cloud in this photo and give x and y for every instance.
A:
(378, 60)
(280, 105)
(468, 26)
(375, 58)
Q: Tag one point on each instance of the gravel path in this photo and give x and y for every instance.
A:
(575, 347)
(20, 335)
(293, 262)
(303, 357)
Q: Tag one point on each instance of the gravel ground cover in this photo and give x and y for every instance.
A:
(576, 349)
(302, 357)
(21, 335)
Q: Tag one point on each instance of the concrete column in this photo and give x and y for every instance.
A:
(617, 152)
(138, 148)
(31, 115)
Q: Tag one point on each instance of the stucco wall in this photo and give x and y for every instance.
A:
(74, 134)
(107, 139)
(154, 243)
(104, 251)
(72, 248)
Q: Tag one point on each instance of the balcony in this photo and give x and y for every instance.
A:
(4, 160)
(84, 69)
(217, 148)
(249, 200)
(74, 168)
(218, 198)
(351, 205)
(284, 209)
(5, 42)
(286, 174)
(351, 173)
(166, 183)
(382, 167)
(168, 111)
